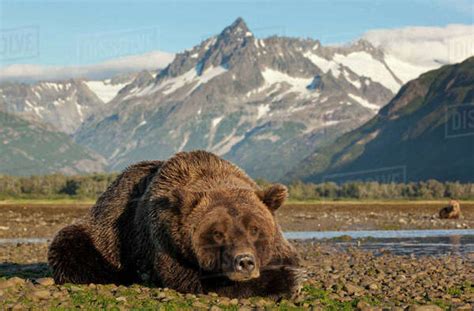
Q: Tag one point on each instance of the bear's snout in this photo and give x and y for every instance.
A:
(243, 267)
(244, 263)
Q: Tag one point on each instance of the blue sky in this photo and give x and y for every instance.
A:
(68, 31)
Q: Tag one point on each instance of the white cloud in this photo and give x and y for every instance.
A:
(29, 72)
(426, 46)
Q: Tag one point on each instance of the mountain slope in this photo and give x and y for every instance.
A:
(62, 104)
(262, 103)
(426, 131)
(30, 148)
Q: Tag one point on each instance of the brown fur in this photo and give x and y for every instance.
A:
(452, 211)
(190, 223)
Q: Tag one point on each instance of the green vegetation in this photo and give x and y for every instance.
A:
(33, 148)
(87, 188)
(419, 130)
(429, 190)
(54, 187)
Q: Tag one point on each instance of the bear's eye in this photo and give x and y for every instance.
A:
(254, 230)
(218, 236)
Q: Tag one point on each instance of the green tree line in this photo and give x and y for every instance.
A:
(91, 186)
(54, 186)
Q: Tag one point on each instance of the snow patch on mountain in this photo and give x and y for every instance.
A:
(297, 85)
(216, 121)
(323, 64)
(404, 70)
(363, 64)
(262, 110)
(104, 89)
(364, 102)
(171, 85)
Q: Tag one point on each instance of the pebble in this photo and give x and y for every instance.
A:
(41, 294)
(353, 289)
(198, 304)
(340, 275)
(424, 308)
(14, 281)
(45, 281)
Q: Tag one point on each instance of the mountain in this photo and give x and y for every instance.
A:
(265, 104)
(262, 103)
(31, 148)
(62, 104)
(426, 131)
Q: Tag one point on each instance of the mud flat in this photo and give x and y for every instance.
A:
(43, 220)
(349, 216)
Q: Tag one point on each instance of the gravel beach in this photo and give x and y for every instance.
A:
(338, 278)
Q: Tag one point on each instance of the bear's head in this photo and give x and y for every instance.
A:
(231, 232)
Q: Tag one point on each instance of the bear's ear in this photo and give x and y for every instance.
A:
(274, 196)
(185, 199)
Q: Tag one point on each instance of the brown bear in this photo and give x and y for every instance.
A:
(452, 211)
(194, 223)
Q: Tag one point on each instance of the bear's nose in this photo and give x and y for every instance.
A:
(244, 263)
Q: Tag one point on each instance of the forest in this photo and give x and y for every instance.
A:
(91, 186)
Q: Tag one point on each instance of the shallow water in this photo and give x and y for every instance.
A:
(302, 235)
(398, 242)
(25, 240)
(426, 246)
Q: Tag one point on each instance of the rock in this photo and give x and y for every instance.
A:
(424, 308)
(41, 294)
(45, 281)
(190, 296)
(245, 302)
(466, 307)
(162, 295)
(353, 289)
(215, 308)
(373, 286)
(199, 305)
(121, 298)
(14, 281)
(363, 306)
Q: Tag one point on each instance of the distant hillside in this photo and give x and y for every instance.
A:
(426, 131)
(31, 148)
(63, 104)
